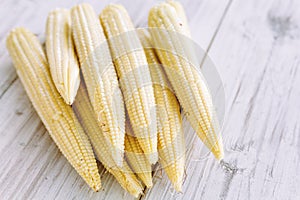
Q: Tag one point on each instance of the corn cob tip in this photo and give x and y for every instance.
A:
(31, 64)
(133, 188)
(118, 7)
(219, 153)
(92, 178)
(147, 179)
(136, 194)
(152, 157)
(14, 31)
(136, 157)
(97, 187)
(81, 5)
(160, 10)
(114, 10)
(218, 150)
(61, 55)
(178, 186)
(175, 173)
(58, 10)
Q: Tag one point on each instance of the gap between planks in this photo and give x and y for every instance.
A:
(226, 10)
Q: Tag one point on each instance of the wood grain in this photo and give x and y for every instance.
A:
(255, 46)
(260, 131)
(256, 53)
(32, 166)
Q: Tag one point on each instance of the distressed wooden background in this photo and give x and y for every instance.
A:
(255, 45)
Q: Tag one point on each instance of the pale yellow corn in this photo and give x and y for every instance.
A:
(100, 76)
(135, 80)
(64, 66)
(136, 157)
(182, 19)
(102, 148)
(189, 84)
(33, 70)
(171, 146)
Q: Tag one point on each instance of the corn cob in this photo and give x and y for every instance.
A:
(171, 146)
(64, 66)
(181, 16)
(100, 76)
(33, 70)
(102, 148)
(181, 68)
(136, 157)
(135, 80)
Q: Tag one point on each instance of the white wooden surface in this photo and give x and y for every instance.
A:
(256, 47)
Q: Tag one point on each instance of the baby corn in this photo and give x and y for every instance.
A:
(100, 76)
(135, 80)
(62, 58)
(102, 148)
(186, 79)
(136, 157)
(171, 146)
(181, 16)
(33, 70)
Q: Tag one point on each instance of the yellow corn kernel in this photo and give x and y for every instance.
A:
(102, 148)
(32, 68)
(135, 80)
(100, 76)
(136, 157)
(170, 36)
(64, 66)
(171, 146)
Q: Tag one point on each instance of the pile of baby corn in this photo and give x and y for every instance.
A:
(103, 93)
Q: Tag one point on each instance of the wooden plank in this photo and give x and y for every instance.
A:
(21, 128)
(262, 125)
(196, 151)
(32, 167)
(257, 54)
(33, 15)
